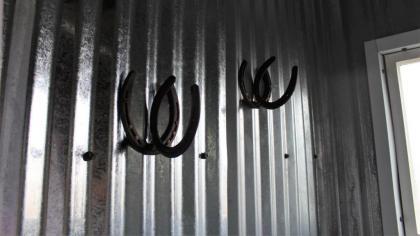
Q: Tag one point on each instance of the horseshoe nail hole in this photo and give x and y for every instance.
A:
(88, 156)
(203, 156)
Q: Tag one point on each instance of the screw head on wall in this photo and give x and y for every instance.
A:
(203, 156)
(88, 156)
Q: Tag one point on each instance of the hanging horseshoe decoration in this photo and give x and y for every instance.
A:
(248, 99)
(263, 100)
(159, 144)
(183, 145)
(133, 138)
(262, 72)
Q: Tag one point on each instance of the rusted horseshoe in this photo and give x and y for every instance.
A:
(248, 99)
(183, 145)
(133, 138)
(263, 73)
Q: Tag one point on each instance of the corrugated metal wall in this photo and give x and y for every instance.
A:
(345, 172)
(62, 66)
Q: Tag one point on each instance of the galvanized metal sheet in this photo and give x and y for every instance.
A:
(83, 52)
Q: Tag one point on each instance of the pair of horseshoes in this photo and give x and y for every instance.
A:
(262, 74)
(159, 144)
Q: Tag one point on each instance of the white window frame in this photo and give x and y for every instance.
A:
(382, 125)
(405, 174)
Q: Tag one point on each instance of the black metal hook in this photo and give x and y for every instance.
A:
(262, 73)
(248, 99)
(183, 145)
(133, 138)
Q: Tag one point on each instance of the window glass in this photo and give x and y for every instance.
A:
(409, 80)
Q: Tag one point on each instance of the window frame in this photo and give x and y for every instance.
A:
(392, 62)
(385, 149)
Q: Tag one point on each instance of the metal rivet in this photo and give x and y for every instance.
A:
(88, 156)
(286, 155)
(203, 156)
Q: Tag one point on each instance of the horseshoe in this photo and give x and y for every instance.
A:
(262, 72)
(133, 138)
(183, 145)
(247, 98)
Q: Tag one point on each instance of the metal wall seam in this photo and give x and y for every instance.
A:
(291, 168)
(37, 149)
(301, 164)
(163, 171)
(7, 15)
(214, 117)
(200, 138)
(134, 177)
(238, 111)
(289, 175)
(290, 172)
(2, 45)
(87, 37)
(232, 44)
(279, 120)
(12, 135)
(282, 163)
(301, 144)
(307, 133)
(274, 123)
(36, 172)
(307, 160)
(293, 142)
(266, 139)
(272, 192)
(177, 71)
(254, 160)
(309, 154)
(299, 186)
(189, 187)
(60, 97)
(248, 128)
(256, 164)
(222, 140)
(149, 167)
(117, 169)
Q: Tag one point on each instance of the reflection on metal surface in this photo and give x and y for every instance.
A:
(176, 164)
(243, 186)
(37, 149)
(81, 133)
(153, 13)
(238, 139)
(124, 18)
(222, 164)
(13, 121)
(200, 140)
